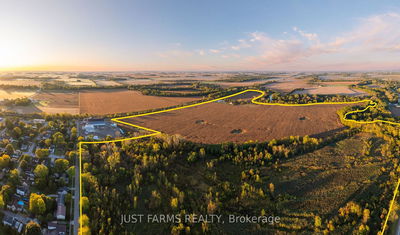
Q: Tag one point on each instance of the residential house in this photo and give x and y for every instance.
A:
(53, 228)
(60, 214)
(13, 222)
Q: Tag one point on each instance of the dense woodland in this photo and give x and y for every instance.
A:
(181, 89)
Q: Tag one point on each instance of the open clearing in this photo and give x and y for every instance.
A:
(221, 122)
(324, 180)
(123, 101)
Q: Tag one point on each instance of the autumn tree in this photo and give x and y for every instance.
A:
(36, 204)
(41, 173)
(61, 165)
(10, 149)
(42, 153)
(32, 228)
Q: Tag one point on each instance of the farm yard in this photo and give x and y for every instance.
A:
(221, 122)
(122, 101)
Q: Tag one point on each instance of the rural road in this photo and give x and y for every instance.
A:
(76, 194)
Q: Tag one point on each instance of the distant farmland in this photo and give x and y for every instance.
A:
(219, 122)
(57, 102)
(122, 101)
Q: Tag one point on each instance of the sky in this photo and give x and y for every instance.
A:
(199, 35)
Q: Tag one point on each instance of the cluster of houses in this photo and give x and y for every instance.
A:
(16, 214)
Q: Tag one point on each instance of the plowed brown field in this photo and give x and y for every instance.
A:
(123, 101)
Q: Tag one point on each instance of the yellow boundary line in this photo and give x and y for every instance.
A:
(372, 104)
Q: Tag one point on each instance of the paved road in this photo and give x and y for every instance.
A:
(30, 150)
(76, 194)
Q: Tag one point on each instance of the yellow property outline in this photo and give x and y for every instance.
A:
(372, 104)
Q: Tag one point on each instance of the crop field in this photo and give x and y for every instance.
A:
(57, 102)
(137, 81)
(346, 83)
(14, 94)
(107, 83)
(221, 122)
(288, 85)
(242, 84)
(20, 82)
(122, 101)
(330, 90)
(77, 82)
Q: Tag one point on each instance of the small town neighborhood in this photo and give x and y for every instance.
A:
(36, 171)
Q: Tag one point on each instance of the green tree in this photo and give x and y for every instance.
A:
(58, 139)
(114, 159)
(74, 133)
(71, 172)
(61, 165)
(10, 149)
(17, 132)
(48, 142)
(85, 203)
(41, 173)
(14, 177)
(6, 191)
(42, 153)
(23, 164)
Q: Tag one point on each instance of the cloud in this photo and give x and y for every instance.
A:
(242, 44)
(215, 51)
(379, 32)
(373, 43)
(374, 37)
(277, 51)
(309, 36)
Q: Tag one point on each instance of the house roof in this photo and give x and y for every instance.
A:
(56, 229)
(8, 219)
(60, 210)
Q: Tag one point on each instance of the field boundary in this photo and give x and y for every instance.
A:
(371, 104)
